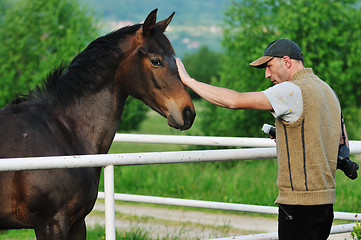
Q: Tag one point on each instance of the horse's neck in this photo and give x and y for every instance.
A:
(95, 118)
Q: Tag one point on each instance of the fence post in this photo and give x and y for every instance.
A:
(109, 202)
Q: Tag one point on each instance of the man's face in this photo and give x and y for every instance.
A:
(276, 71)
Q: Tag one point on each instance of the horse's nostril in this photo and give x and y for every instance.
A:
(188, 116)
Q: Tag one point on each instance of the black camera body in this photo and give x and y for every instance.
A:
(345, 164)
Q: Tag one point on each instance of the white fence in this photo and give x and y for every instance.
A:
(110, 160)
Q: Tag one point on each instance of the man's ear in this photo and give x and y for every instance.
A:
(286, 61)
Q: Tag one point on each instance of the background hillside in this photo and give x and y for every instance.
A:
(196, 23)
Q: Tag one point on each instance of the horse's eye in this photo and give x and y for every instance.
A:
(156, 62)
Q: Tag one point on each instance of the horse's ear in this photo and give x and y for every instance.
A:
(164, 24)
(149, 22)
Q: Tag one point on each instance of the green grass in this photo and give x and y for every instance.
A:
(24, 234)
(95, 233)
(241, 183)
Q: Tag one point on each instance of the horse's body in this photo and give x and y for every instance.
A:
(77, 112)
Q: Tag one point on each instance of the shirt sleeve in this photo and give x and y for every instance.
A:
(286, 100)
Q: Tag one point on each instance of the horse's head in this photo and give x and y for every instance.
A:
(149, 73)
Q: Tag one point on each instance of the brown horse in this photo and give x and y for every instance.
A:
(77, 111)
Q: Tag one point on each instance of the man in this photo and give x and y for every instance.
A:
(308, 120)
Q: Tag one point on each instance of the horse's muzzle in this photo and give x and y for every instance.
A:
(181, 120)
(188, 118)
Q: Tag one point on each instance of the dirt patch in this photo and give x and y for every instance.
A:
(163, 222)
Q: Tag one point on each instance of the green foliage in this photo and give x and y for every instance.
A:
(203, 65)
(326, 31)
(37, 36)
(356, 233)
(3, 6)
(134, 113)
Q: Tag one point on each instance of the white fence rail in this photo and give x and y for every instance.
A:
(195, 140)
(215, 205)
(110, 160)
(125, 159)
(355, 146)
(274, 235)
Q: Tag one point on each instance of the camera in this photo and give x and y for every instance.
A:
(345, 164)
(269, 129)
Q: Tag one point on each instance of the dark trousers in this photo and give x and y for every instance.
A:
(297, 222)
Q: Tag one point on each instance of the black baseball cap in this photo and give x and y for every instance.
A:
(279, 48)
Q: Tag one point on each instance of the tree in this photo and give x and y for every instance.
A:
(326, 31)
(3, 6)
(36, 36)
(203, 65)
(134, 114)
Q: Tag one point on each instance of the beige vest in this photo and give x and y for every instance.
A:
(307, 149)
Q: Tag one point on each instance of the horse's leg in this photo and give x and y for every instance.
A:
(78, 231)
(56, 228)
(52, 230)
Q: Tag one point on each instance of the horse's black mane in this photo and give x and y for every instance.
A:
(98, 60)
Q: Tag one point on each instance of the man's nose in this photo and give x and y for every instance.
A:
(267, 73)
